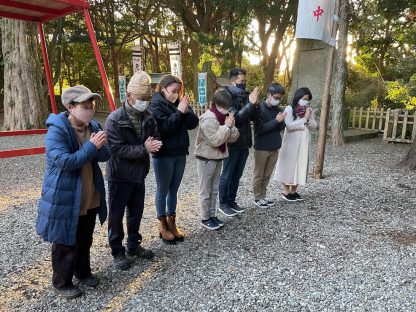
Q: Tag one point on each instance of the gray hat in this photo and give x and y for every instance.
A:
(78, 94)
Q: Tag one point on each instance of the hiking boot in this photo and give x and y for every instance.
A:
(237, 208)
(121, 262)
(68, 293)
(174, 229)
(289, 197)
(227, 210)
(297, 197)
(220, 223)
(164, 233)
(90, 281)
(270, 203)
(261, 203)
(141, 253)
(210, 224)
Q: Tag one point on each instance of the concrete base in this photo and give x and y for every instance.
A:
(353, 135)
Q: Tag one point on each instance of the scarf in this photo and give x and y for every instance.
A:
(221, 119)
(300, 110)
(135, 118)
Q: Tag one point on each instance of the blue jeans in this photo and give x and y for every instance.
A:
(232, 170)
(169, 172)
(120, 195)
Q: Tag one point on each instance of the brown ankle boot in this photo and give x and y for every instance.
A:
(164, 233)
(174, 229)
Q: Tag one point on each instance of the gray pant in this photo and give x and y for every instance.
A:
(209, 179)
(264, 162)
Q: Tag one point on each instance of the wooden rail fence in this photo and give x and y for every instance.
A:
(397, 125)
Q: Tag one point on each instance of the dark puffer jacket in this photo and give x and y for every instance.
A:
(243, 112)
(173, 126)
(129, 160)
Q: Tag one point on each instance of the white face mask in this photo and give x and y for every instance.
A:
(222, 110)
(82, 114)
(140, 105)
(274, 102)
(303, 102)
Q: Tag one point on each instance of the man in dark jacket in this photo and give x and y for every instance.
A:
(268, 123)
(244, 106)
(131, 132)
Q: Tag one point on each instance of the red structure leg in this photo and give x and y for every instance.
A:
(99, 59)
(47, 67)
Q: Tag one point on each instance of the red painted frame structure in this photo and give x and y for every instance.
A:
(42, 11)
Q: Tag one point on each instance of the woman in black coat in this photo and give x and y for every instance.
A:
(174, 118)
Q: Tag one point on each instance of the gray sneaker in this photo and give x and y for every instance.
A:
(261, 203)
(68, 293)
(227, 210)
(140, 252)
(237, 208)
(121, 262)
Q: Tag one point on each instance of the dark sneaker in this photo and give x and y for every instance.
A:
(220, 223)
(121, 262)
(90, 281)
(289, 197)
(210, 224)
(69, 293)
(140, 252)
(261, 203)
(227, 210)
(297, 197)
(270, 203)
(237, 208)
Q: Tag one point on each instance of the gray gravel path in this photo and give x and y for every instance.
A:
(349, 247)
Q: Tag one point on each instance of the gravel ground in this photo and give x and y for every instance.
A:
(349, 247)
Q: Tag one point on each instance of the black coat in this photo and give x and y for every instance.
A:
(129, 160)
(267, 128)
(243, 112)
(173, 126)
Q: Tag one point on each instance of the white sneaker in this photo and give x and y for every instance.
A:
(269, 202)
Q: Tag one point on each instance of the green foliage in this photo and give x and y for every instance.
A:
(361, 87)
(399, 96)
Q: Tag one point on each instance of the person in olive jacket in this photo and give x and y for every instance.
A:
(131, 132)
(174, 118)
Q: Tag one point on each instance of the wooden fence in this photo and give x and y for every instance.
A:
(397, 125)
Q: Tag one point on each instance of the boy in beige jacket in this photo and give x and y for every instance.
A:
(216, 129)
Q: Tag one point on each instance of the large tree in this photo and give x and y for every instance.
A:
(340, 77)
(25, 104)
(274, 19)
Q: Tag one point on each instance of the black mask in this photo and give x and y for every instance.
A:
(241, 85)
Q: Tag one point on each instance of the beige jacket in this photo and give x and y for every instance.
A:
(288, 154)
(211, 135)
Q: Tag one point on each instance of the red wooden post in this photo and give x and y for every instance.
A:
(47, 68)
(99, 59)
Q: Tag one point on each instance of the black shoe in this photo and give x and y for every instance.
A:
(237, 208)
(141, 252)
(220, 223)
(297, 197)
(289, 197)
(210, 224)
(121, 262)
(227, 210)
(261, 203)
(90, 281)
(270, 203)
(69, 293)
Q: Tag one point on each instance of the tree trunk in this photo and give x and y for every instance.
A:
(410, 159)
(338, 99)
(194, 46)
(25, 105)
(116, 67)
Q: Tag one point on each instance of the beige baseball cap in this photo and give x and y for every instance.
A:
(78, 94)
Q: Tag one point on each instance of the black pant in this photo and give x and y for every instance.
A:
(70, 260)
(122, 194)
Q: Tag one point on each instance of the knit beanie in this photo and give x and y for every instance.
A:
(139, 84)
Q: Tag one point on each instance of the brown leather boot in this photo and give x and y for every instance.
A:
(164, 233)
(174, 229)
